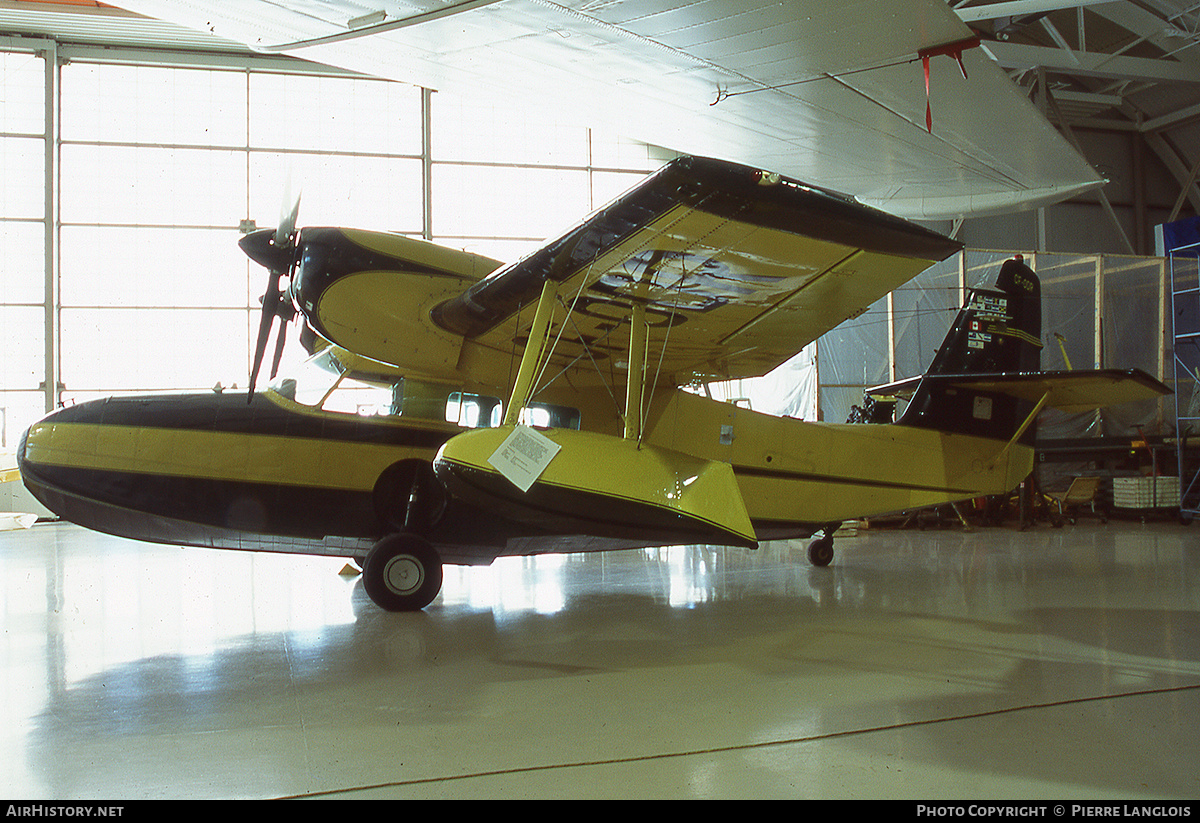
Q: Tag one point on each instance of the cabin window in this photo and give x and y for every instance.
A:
(476, 411)
(369, 395)
(549, 416)
(322, 382)
(352, 396)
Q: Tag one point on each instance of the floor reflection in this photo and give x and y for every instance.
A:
(137, 670)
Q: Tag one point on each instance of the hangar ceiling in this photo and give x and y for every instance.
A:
(1129, 65)
(1121, 66)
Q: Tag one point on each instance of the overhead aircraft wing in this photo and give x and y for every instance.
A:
(830, 91)
(738, 269)
(1068, 391)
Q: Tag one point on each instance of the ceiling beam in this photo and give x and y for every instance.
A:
(1176, 166)
(1104, 202)
(1089, 64)
(1166, 121)
(1088, 97)
(1019, 8)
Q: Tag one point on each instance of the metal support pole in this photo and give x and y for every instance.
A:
(427, 164)
(51, 373)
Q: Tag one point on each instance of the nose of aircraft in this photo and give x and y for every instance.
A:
(261, 247)
(86, 449)
(54, 451)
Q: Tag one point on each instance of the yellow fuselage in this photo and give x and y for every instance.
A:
(214, 471)
(787, 471)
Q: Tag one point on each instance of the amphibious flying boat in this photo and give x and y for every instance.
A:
(455, 410)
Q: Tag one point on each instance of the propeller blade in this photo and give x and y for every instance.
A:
(270, 305)
(279, 341)
(276, 250)
(289, 211)
(308, 337)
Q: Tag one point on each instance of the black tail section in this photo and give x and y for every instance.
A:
(997, 332)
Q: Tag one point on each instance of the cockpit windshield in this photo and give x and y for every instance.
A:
(323, 382)
(312, 382)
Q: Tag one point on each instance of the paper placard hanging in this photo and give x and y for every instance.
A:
(523, 456)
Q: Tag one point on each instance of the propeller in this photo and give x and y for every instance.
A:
(274, 249)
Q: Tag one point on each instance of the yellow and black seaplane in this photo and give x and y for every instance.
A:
(455, 411)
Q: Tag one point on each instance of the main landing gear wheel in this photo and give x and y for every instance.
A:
(402, 573)
(820, 550)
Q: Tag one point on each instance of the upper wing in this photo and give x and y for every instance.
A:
(738, 269)
(831, 91)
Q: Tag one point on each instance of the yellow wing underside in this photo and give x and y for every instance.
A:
(723, 298)
(729, 291)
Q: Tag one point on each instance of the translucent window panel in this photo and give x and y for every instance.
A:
(924, 309)
(18, 411)
(483, 131)
(151, 185)
(611, 151)
(22, 263)
(1136, 298)
(852, 357)
(22, 88)
(607, 186)
(23, 163)
(1135, 315)
(114, 349)
(382, 193)
(149, 104)
(983, 266)
(1069, 309)
(487, 201)
(506, 251)
(148, 266)
(334, 114)
(22, 341)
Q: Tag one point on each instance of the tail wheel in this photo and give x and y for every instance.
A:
(409, 498)
(402, 572)
(820, 550)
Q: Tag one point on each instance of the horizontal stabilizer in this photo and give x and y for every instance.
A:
(1068, 391)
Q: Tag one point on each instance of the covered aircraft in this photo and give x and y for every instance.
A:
(455, 410)
(892, 101)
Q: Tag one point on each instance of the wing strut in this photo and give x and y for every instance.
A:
(532, 355)
(635, 387)
(1037, 409)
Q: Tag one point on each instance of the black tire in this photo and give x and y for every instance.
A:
(402, 573)
(820, 551)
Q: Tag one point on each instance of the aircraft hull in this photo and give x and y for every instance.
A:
(215, 471)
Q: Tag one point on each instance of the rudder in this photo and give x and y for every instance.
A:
(998, 331)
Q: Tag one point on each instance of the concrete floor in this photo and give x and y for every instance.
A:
(995, 664)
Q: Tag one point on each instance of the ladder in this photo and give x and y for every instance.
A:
(1183, 262)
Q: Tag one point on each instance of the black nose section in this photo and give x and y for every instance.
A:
(260, 247)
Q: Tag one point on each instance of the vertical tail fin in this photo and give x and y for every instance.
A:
(996, 332)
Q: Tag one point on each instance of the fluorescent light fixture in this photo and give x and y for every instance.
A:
(366, 20)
